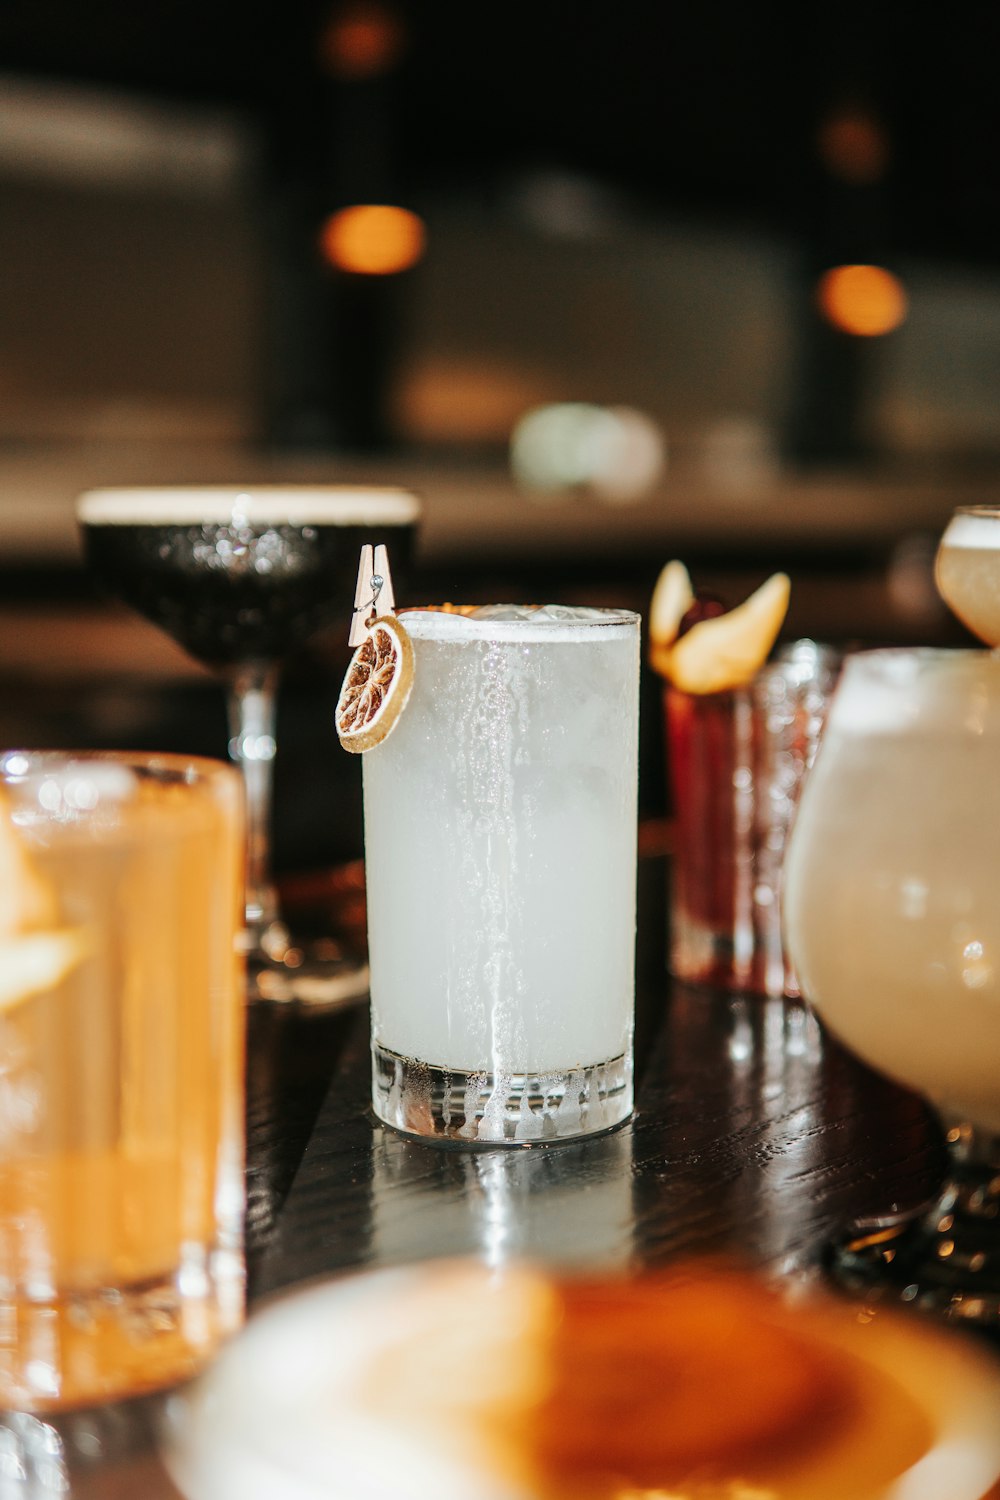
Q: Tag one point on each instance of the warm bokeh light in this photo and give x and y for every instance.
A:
(461, 398)
(361, 40)
(864, 300)
(853, 146)
(373, 239)
(615, 452)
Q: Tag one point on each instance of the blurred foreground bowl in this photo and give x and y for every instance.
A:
(697, 1382)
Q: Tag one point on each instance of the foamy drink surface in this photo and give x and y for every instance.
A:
(967, 571)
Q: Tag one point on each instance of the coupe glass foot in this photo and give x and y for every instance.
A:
(943, 1259)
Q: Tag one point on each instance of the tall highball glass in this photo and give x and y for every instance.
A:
(500, 842)
(241, 576)
(892, 916)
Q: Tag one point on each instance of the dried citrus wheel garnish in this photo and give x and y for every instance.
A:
(376, 686)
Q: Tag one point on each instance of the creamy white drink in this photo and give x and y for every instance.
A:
(500, 843)
(891, 880)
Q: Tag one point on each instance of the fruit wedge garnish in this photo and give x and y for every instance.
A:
(727, 650)
(720, 650)
(376, 686)
(672, 597)
(26, 899)
(33, 962)
(35, 953)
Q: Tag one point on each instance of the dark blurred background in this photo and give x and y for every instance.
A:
(606, 282)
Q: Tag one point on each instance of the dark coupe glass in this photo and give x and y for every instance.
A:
(241, 577)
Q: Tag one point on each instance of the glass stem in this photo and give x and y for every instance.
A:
(252, 703)
(973, 1185)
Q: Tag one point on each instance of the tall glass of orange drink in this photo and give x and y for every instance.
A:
(120, 1073)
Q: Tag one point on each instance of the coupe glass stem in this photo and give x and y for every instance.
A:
(252, 702)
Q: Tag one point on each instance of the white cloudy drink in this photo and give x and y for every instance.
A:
(967, 570)
(500, 843)
(891, 907)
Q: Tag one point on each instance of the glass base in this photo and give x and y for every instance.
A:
(706, 955)
(111, 1344)
(317, 975)
(449, 1106)
(943, 1259)
(91, 1453)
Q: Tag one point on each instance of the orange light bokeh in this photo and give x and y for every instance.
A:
(864, 300)
(361, 40)
(373, 239)
(854, 147)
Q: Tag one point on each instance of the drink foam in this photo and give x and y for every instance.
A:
(890, 691)
(252, 505)
(979, 531)
(519, 622)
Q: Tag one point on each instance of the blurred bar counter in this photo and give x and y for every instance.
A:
(475, 505)
(855, 541)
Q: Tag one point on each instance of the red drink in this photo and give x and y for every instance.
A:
(735, 764)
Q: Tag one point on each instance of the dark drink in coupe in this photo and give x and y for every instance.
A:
(236, 578)
(241, 577)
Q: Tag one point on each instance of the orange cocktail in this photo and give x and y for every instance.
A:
(120, 1073)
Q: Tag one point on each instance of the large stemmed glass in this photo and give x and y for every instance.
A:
(892, 916)
(241, 576)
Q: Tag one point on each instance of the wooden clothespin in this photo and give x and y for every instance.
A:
(373, 594)
(384, 602)
(362, 597)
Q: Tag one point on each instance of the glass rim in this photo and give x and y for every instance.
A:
(919, 653)
(454, 625)
(888, 665)
(274, 504)
(154, 763)
(976, 510)
(898, 691)
(895, 670)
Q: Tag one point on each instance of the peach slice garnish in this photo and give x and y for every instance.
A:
(728, 650)
(672, 597)
(725, 651)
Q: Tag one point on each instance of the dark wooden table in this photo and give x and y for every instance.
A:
(753, 1133)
